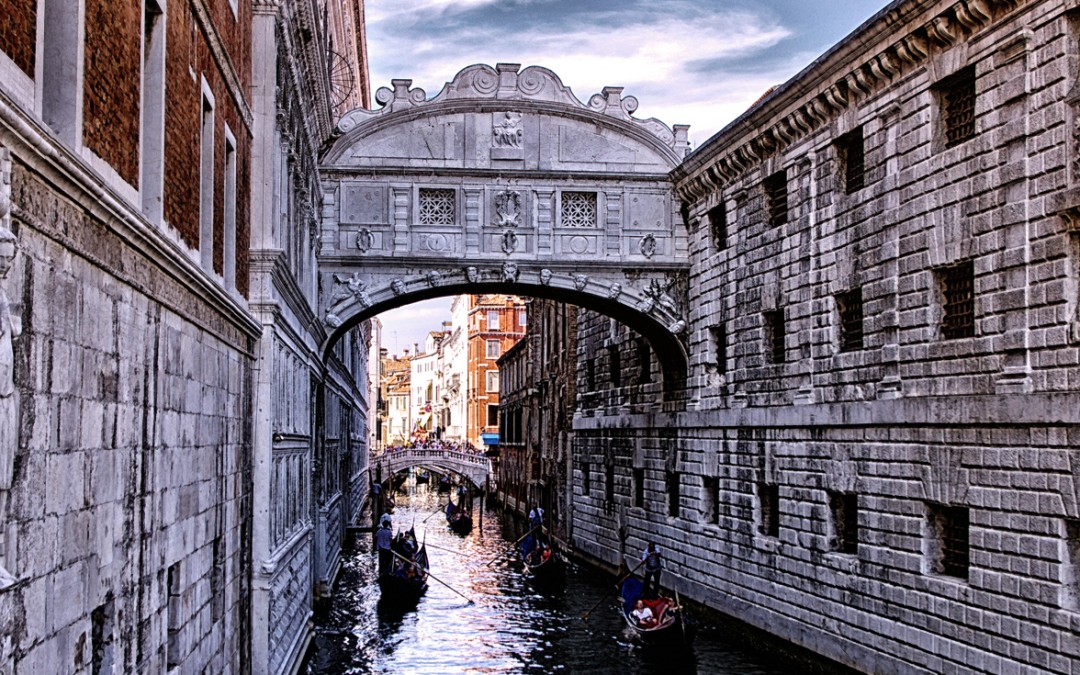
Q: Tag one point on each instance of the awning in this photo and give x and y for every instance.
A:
(490, 439)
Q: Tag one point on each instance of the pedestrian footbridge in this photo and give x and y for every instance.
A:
(474, 466)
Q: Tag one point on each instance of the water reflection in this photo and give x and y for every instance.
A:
(510, 625)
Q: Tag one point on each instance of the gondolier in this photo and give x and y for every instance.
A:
(654, 565)
(384, 538)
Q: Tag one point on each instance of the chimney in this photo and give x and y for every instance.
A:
(416, 348)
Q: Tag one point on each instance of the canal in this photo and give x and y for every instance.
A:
(509, 626)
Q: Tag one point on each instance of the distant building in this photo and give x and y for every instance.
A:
(495, 322)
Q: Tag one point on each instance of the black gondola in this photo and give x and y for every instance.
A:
(405, 582)
(422, 477)
(444, 484)
(459, 519)
(542, 563)
(397, 481)
(667, 623)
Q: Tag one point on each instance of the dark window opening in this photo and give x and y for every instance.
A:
(645, 361)
(776, 203)
(492, 415)
(719, 339)
(769, 505)
(774, 335)
(718, 225)
(845, 519)
(957, 284)
(586, 478)
(673, 493)
(850, 308)
(615, 366)
(1071, 569)
(853, 156)
(609, 485)
(590, 374)
(957, 94)
(639, 488)
(101, 636)
(217, 581)
(173, 622)
(711, 497)
(949, 527)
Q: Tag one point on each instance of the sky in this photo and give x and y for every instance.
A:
(699, 62)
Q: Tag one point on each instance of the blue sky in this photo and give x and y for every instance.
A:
(698, 63)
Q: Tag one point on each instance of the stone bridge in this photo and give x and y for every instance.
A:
(506, 183)
(474, 466)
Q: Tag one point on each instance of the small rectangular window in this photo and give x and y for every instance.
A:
(852, 156)
(493, 381)
(173, 621)
(776, 201)
(590, 374)
(229, 216)
(523, 319)
(494, 349)
(1070, 568)
(217, 580)
(844, 508)
(493, 320)
(644, 361)
(586, 478)
(609, 484)
(579, 209)
(492, 415)
(673, 490)
(719, 340)
(615, 366)
(206, 186)
(710, 489)
(718, 225)
(849, 308)
(957, 288)
(948, 550)
(639, 488)
(437, 206)
(769, 509)
(774, 335)
(957, 102)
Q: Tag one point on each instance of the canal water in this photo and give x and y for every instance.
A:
(508, 627)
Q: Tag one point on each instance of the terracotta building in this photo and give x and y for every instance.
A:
(495, 323)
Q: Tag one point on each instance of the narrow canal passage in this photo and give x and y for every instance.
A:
(511, 627)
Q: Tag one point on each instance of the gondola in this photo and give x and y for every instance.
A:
(668, 624)
(542, 564)
(405, 582)
(459, 519)
(422, 477)
(397, 481)
(444, 484)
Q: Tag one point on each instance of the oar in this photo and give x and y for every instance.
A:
(511, 546)
(441, 509)
(403, 558)
(682, 614)
(585, 616)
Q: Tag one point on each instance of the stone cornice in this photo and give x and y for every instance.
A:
(867, 61)
(70, 174)
(225, 65)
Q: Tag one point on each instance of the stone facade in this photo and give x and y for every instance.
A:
(878, 456)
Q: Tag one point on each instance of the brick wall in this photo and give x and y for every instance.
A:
(112, 83)
(18, 32)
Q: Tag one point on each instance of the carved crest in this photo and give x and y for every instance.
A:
(365, 240)
(647, 246)
(509, 242)
(507, 209)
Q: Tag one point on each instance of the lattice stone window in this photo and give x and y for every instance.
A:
(957, 101)
(718, 225)
(957, 287)
(844, 508)
(776, 206)
(437, 206)
(947, 539)
(853, 156)
(849, 307)
(579, 209)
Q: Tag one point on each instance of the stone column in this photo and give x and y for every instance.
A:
(10, 328)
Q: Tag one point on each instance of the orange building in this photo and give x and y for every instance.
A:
(496, 323)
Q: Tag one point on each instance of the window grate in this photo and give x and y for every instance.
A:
(850, 308)
(854, 156)
(579, 209)
(769, 503)
(958, 293)
(775, 328)
(718, 224)
(958, 106)
(436, 206)
(950, 527)
(776, 188)
(845, 512)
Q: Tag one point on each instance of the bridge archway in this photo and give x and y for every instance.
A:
(505, 182)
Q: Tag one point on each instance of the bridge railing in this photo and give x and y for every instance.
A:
(411, 455)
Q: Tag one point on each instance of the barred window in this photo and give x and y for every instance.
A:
(850, 309)
(644, 361)
(718, 225)
(586, 478)
(769, 509)
(614, 366)
(579, 209)
(776, 206)
(957, 286)
(852, 155)
(948, 539)
(437, 206)
(845, 520)
(719, 338)
(639, 487)
(957, 96)
(674, 497)
(774, 335)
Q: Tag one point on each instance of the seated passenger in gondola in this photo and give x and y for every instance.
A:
(643, 615)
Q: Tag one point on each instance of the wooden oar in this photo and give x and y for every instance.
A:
(428, 572)
(441, 509)
(512, 546)
(682, 614)
(618, 584)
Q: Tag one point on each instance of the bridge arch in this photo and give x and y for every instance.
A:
(505, 182)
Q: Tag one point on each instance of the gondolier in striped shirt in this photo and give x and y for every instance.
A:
(654, 565)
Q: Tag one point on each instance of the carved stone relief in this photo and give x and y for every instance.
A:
(545, 276)
(507, 136)
(10, 328)
(510, 272)
(580, 281)
(509, 242)
(507, 209)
